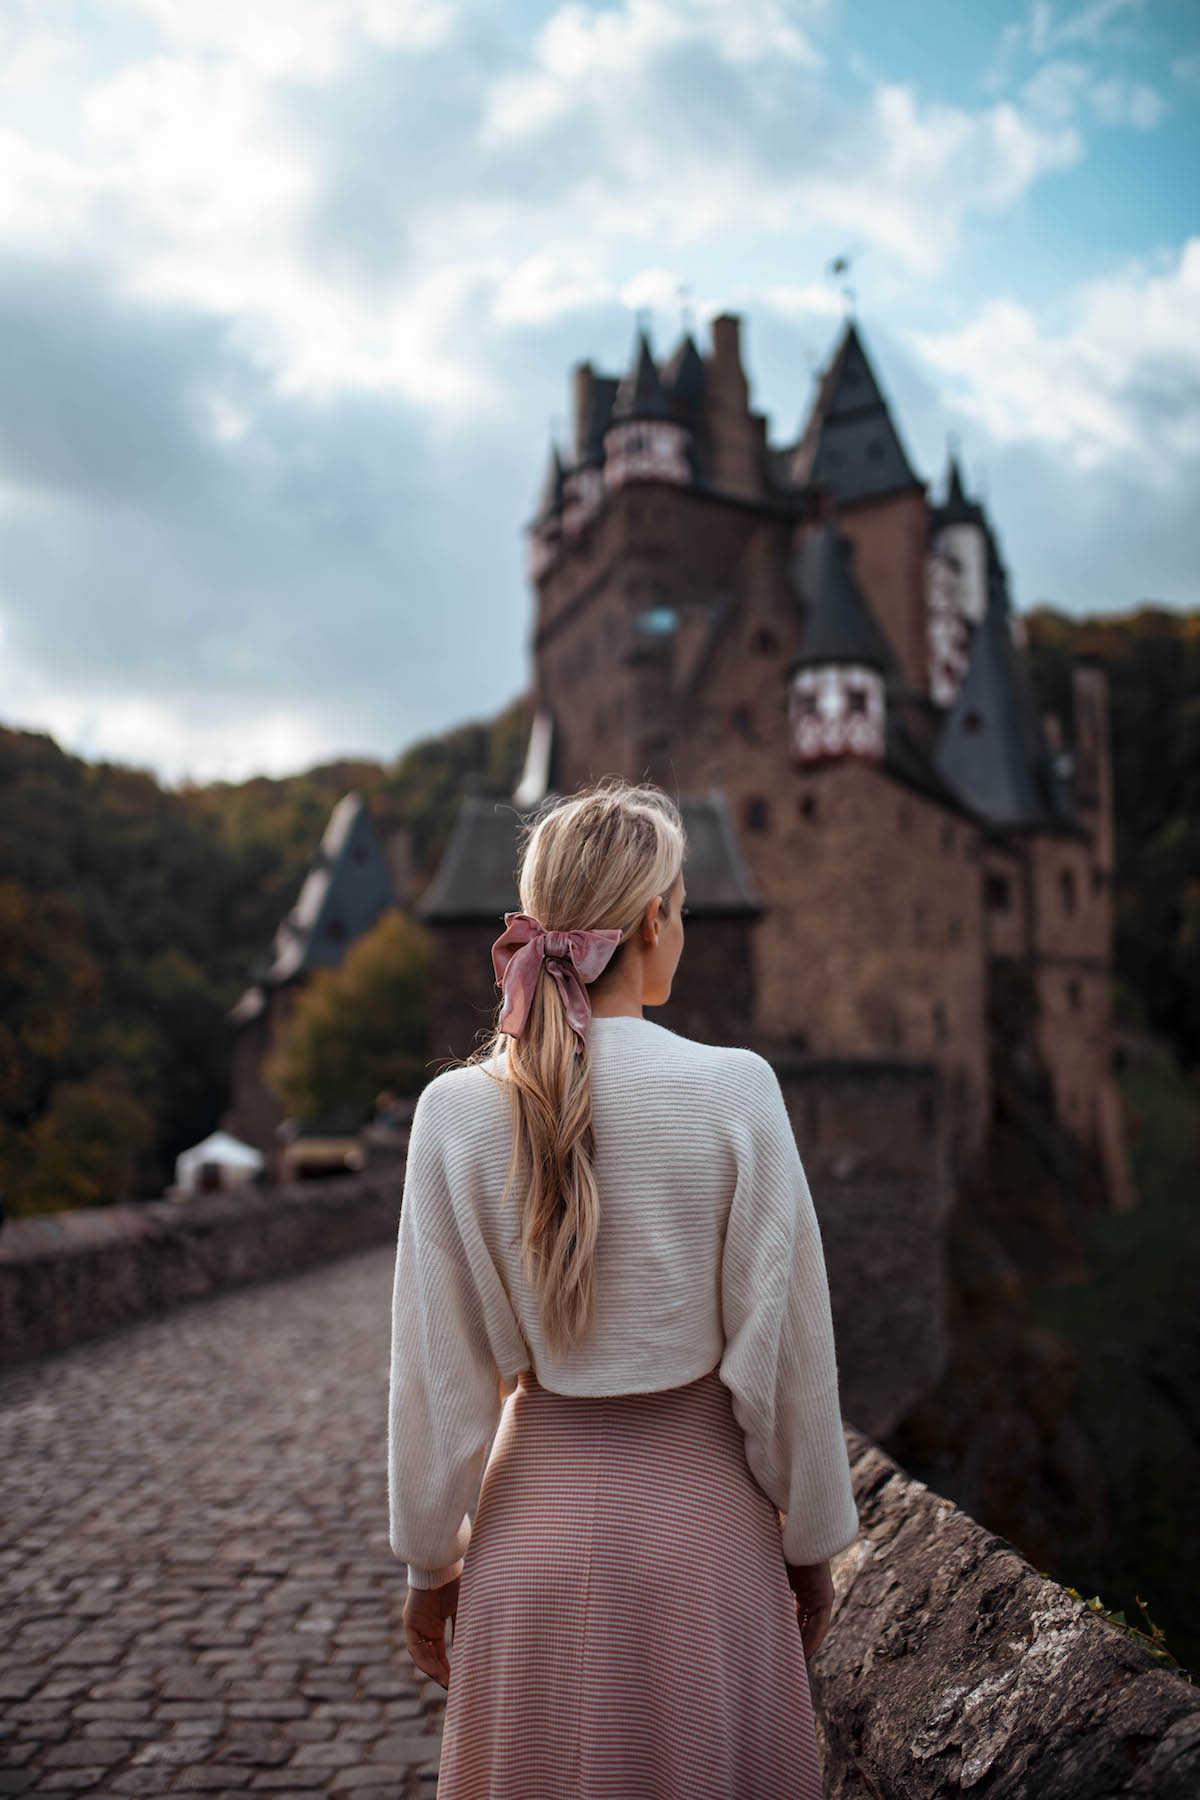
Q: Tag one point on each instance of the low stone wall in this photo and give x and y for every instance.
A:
(68, 1276)
(952, 1666)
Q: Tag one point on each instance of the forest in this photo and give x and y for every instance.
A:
(132, 913)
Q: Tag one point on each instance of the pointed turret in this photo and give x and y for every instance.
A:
(551, 498)
(993, 749)
(640, 392)
(843, 661)
(683, 374)
(545, 532)
(839, 626)
(851, 444)
(642, 441)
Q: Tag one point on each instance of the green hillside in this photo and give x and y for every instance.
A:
(132, 915)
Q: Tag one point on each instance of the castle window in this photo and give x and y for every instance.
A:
(756, 814)
(1066, 888)
(1097, 881)
(920, 920)
(806, 703)
(996, 895)
(742, 720)
(941, 1027)
(1074, 993)
(764, 643)
(807, 807)
(856, 700)
(972, 722)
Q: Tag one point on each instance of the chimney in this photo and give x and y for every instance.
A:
(584, 383)
(727, 353)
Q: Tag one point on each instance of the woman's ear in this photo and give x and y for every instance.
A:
(651, 923)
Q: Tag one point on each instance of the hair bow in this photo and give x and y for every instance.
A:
(572, 958)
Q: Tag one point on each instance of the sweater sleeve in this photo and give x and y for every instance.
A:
(445, 1395)
(779, 1360)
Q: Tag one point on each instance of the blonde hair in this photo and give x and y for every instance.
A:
(593, 862)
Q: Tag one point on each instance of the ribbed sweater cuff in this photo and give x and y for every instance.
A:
(434, 1578)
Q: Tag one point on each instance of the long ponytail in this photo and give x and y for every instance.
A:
(593, 862)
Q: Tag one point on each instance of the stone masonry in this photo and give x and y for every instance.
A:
(197, 1594)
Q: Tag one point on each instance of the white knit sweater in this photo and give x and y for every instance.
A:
(709, 1254)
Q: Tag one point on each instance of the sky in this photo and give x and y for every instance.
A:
(290, 292)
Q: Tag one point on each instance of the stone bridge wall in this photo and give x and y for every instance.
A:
(68, 1276)
(951, 1665)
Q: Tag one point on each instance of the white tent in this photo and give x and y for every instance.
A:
(233, 1162)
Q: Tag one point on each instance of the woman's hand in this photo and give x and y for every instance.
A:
(812, 1585)
(425, 1613)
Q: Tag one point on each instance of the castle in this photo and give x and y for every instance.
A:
(886, 840)
(825, 663)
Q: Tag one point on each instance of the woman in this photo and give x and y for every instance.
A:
(611, 1331)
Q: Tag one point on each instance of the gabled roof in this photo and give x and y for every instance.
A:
(477, 878)
(992, 749)
(851, 444)
(347, 887)
(839, 626)
(640, 393)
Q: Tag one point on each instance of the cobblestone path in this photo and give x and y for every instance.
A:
(196, 1589)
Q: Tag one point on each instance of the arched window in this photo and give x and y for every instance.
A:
(757, 814)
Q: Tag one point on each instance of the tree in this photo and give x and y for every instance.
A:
(359, 1028)
(83, 1150)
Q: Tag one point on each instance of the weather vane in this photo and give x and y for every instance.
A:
(839, 269)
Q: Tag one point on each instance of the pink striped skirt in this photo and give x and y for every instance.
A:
(625, 1627)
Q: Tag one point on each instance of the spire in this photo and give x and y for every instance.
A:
(957, 508)
(850, 443)
(993, 749)
(640, 392)
(839, 625)
(551, 498)
(683, 373)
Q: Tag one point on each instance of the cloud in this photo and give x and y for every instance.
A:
(1119, 388)
(1063, 90)
(288, 293)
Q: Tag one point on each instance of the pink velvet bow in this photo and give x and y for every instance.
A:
(571, 957)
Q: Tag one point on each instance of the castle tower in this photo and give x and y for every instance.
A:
(642, 441)
(836, 703)
(545, 532)
(852, 450)
(956, 576)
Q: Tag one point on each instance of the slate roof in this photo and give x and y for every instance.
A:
(476, 879)
(851, 444)
(550, 500)
(640, 393)
(839, 626)
(603, 395)
(347, 887)
(993, 749)
(683, 373)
